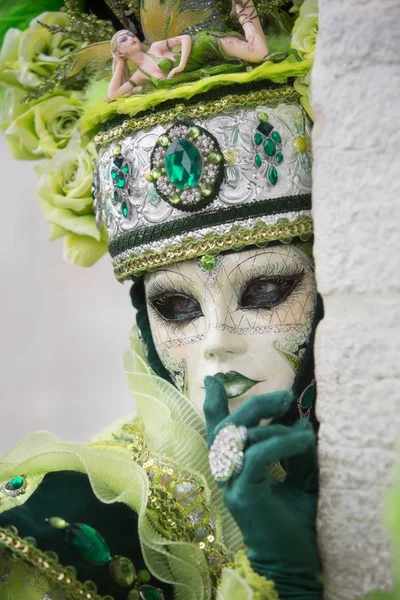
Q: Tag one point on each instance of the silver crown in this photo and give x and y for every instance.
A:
(197, 186)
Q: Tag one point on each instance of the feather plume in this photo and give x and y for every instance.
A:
(96, 54)
(20, 14)
(163, 19)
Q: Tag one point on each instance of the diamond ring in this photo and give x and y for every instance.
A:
(226, 453)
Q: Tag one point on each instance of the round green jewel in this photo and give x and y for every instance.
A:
(89, 543)
(214, 158)
(122, 571)
(276, 136)
(117, 150)
(163, 140)
(120, 180)
(273, 175)
(206, 189)
(279, 157)
(148, 592)
(258, 138)
(263, 117)
(144, 576)
(193, 133)
(301, 143)
(125, 168)
(207, 262)
(114, 173)
(57, 522)
(124, 209)
(16, 484)
(156, 173)
(183, 164)
(269, 147)
(258, 161)
(175, 198)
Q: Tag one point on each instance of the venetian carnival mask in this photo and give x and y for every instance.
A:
(247, 320)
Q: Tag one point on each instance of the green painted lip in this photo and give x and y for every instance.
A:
(235, 384)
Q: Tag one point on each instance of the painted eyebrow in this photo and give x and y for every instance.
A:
(273, 267)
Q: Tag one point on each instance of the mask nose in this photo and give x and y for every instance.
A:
(222, 344)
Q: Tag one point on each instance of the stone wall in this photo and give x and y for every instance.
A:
(356, 88)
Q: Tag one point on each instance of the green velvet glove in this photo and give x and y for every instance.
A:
(277, 520)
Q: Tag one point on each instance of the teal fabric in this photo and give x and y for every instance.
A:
(277, 520)
(69, 495)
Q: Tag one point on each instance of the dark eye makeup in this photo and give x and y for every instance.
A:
(266, 293)
(176, 306)
(258, 293)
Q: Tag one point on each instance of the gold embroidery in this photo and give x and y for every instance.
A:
(198, 110)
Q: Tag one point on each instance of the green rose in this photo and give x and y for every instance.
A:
(44, 127)
(305, 29)
(29, 57)
(302, 85)
(64, 194)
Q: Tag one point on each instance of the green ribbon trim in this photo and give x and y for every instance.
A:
(231, 214)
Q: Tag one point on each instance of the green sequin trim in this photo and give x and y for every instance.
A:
(200, 110)
(62, 578)
(238, 238)
(212, 218)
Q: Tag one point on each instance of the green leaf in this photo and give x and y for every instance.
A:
(19, 14)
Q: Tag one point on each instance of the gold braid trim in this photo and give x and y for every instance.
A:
(236, 239)
(200, 110)
(63, 578)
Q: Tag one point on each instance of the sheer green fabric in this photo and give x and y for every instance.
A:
(174, 428)
(96, 111)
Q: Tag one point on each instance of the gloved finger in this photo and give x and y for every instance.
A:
(253, 410)
(266, 432)
(215, 407)
(259, 456)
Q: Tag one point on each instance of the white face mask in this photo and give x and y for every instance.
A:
(248, 319)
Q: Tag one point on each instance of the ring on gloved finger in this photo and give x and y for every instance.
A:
(226, 453)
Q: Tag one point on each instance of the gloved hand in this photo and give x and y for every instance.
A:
(277, 520)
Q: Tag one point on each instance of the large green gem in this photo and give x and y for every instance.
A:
(15, 484)
(149, 592)
(89, 543)
(122, 571)
(183, 164)
(269, 147)
(273, 175)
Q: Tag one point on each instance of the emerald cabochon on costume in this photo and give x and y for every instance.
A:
(170, 131)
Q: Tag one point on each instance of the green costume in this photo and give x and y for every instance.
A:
(206, 58)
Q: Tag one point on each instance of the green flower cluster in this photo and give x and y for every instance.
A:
(48, 128)
(27, 59)
(31, 56)
(64, 194)
(305, 29)
(304, 36)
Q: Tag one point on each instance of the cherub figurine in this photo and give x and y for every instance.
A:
(180, 57)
